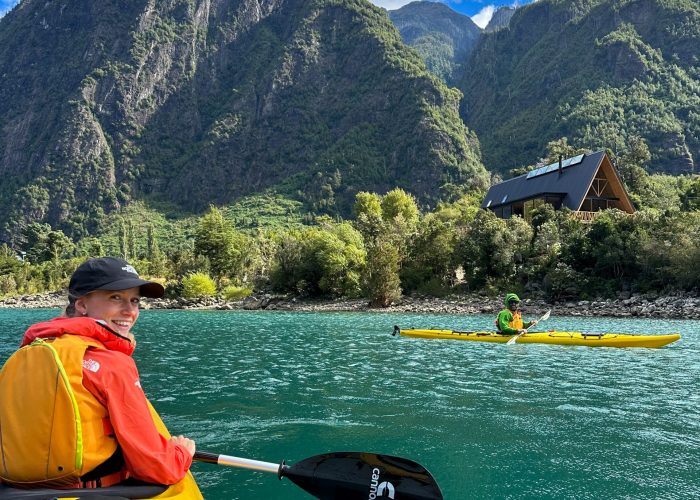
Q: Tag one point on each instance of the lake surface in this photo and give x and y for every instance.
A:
(489, 421)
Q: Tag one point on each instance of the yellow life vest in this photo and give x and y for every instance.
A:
(53, 433)
(517, 323)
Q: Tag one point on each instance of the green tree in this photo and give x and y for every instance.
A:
(368, 214)
(123, 240)
(385, 237)
(631, 163)
(690, 197)
(89, 247)
(9, 263)
(397, 203)
(381, 282)
(561, 148)
(325, 260)
(156, 259)
(225, 248)
(42, 243)
(430, 263)
(58, 245)
(493, 249)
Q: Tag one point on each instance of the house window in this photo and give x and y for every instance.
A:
(529, 206)
(555, 201)
(507, 212)
(518, 209)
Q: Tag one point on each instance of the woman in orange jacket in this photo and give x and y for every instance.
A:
(119, 436)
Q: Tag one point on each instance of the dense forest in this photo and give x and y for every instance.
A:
(389, 248)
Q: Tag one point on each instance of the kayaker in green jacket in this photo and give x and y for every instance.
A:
(509, 320)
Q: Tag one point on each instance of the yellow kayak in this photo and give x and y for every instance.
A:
(186, 489)
(595, 339)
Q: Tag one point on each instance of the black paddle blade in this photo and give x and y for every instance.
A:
(363, 476)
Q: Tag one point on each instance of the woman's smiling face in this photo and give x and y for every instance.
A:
(119, 309)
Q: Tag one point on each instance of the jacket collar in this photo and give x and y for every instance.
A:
(86, 327)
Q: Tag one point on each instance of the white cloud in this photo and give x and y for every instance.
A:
(390, 4)
(484, 16)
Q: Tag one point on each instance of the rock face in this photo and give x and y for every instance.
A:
(500, 19)
(204, 101)
(442, 36)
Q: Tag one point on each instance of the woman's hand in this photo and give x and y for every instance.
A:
(186, 443)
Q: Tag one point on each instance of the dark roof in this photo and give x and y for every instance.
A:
(573, 182)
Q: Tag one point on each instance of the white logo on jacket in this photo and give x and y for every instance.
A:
(91, 364)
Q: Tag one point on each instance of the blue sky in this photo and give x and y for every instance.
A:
(479, 10)
(6, 5)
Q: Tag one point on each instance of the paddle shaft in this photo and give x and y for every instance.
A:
(513, 339)
(244, 463)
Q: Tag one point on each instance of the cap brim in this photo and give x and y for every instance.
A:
(149, 289)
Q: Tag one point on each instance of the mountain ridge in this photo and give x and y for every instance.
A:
(634, 74)
(204, 102)
(443, 37)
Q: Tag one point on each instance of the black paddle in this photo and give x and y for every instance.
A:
(347, 475)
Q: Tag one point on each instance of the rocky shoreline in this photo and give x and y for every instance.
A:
(642, 306)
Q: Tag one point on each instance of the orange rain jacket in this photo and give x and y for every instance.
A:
(111, 376)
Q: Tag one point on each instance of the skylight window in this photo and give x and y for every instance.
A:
(555, 166)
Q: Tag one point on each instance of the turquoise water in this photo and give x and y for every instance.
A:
(489, 421)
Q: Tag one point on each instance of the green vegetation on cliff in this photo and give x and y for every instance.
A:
(599, 72)
(181, 104)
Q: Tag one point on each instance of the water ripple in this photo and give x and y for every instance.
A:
(490, 421)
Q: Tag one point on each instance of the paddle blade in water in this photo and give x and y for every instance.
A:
(363, 476)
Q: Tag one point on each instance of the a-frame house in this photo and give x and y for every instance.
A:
(587, 184)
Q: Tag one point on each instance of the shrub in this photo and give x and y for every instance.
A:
(233, 292)
(198, 285)
(8, 285)
(563, 282)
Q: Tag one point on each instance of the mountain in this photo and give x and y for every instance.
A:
(192, 102)
(500, 19)
(443, 37)
(600, 72)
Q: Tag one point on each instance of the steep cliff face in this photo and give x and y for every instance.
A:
(596, 71)
(442, 36)
(500, 19)
(203, 101)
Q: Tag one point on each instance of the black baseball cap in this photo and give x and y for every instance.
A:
(110, 273)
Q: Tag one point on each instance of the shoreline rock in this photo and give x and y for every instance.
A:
(640, 306)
